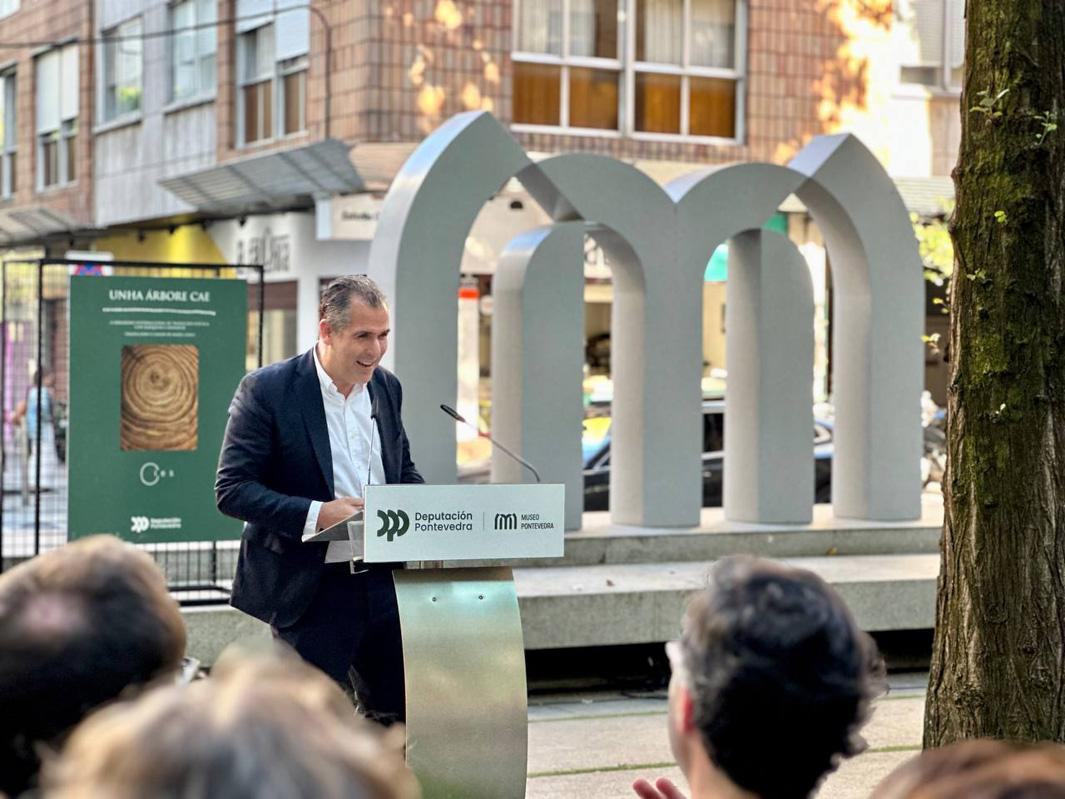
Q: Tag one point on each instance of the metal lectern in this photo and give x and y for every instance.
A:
(463, 653)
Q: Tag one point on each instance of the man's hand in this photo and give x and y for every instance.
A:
(337, 511)
(662, 789)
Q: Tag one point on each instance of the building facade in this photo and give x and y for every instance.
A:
(266, 131)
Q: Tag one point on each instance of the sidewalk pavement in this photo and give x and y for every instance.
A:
(595, 745)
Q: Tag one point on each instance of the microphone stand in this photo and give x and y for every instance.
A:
(459, 418)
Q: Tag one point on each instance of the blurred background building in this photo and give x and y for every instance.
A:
(268, 131)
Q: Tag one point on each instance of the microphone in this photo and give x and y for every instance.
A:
(357, 562)
(373, 430)
(459, 418)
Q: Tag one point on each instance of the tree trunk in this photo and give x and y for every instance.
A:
(998, 665)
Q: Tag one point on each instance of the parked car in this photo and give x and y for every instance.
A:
(595, 447)
(597, 463)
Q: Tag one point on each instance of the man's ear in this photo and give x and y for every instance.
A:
(324, 333)
(685, 710)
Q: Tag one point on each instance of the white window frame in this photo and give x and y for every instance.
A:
(565, 61)
(114, 38)
(284, 69)
(65, 130)
(203, 12)
(9, 143)
(946, 85)
(627, 67)
(244, 82)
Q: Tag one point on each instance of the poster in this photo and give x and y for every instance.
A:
(154, 363)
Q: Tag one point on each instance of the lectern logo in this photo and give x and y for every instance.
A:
(506, 521)
(138, 524)
(393, 523)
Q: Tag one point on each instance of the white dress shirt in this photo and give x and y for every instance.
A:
(351, 427)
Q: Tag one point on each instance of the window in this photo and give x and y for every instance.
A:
(122, 71)
(682, 75)
(272, 76)
(293, 95)
(57, 116)
(8, 134)
(193, 49)
(931, 42)
(257, 84)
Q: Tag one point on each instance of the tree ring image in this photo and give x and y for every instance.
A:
(160, 397)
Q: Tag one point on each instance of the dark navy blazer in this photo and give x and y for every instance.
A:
(275, 459)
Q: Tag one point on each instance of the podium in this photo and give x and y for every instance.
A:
(463, 652)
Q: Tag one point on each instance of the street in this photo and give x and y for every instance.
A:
(593, 745)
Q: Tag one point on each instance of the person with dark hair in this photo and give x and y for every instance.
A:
(79, 627)
(771, 681)
(258, 729)
(979, 769)
(304, 437)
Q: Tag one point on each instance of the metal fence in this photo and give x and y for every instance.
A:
(34, 400)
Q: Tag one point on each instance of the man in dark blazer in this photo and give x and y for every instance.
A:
(302, 438)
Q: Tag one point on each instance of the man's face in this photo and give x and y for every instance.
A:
(351, 355)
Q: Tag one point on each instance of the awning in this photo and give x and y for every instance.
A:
(33, 223)
(277, 180)
(922, 196)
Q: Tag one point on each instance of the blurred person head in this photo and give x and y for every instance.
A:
(353, 328)
(771, 681)
(79, 627)
(264, 728)
(979, 769)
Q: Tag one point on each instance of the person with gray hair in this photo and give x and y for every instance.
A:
(772, 680)
(256, 729)
(304, 438)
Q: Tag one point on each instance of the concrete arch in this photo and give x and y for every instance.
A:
(415, 257)
(878, 369)
(537, 355)
(658, 240)
(769, 316)
(655, 449)
(768, 417)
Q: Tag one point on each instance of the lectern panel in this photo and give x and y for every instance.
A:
(464, 661)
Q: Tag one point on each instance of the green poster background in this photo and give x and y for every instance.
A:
(141, 455)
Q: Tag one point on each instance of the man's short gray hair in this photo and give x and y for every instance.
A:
(335, 305)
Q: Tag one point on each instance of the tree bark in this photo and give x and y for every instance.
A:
(998, 665)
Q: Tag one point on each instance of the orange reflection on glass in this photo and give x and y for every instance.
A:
(593, 98)
(712, 111)
(657, 103)
(536, 93)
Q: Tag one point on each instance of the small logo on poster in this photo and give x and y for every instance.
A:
(506, 521)
(142, 524)
(151, 473)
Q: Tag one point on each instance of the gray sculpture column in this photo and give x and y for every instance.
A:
(877, 354)
(769, 346)
(537, 355)
(415, 256)
(656, 359)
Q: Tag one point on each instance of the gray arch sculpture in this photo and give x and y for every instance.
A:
(769, 319)
(415, 257)
(654, 238)
(537, 355)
